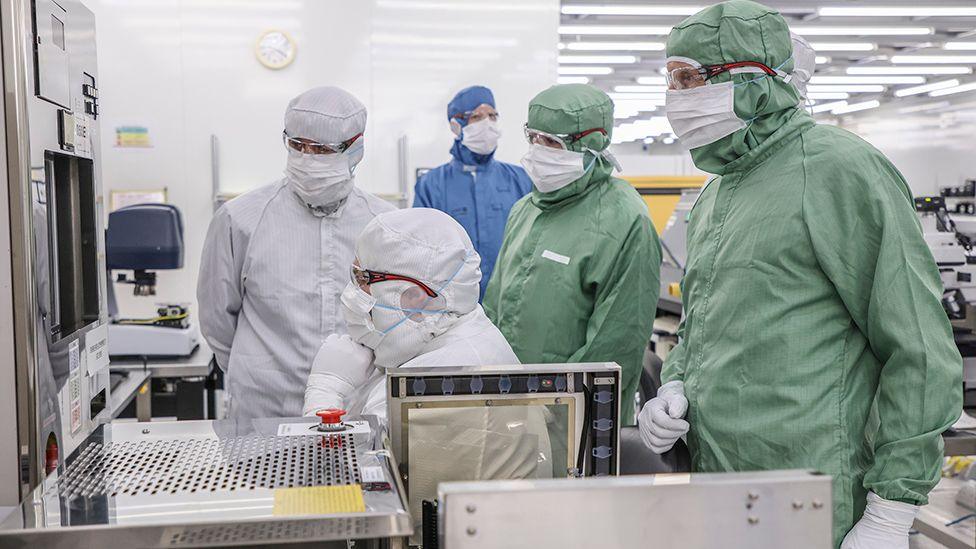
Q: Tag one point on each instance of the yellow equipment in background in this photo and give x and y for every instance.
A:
(662, 192)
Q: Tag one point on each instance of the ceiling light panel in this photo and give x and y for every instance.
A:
(867, 80)
(934, 59)
(905, 92)
(617, 9)
(615, 46)
(936, 70)
(897, 11)
(843, 46)
(597, 59)
(585, 71)
(804, 30)
(628, 30)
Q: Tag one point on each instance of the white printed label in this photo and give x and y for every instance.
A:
(354, 427)
(74, 402)
(74, 357)
(96, 348)
(372, 474)
(553, 256)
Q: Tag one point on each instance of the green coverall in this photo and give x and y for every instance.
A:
(577, 277)
(814, 334)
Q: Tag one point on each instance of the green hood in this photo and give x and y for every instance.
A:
(741, 30)
(574, 108)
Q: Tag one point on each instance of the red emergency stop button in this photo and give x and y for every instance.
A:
(331, 419)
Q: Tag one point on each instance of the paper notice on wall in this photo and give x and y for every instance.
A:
(96, 349)
(132, 137)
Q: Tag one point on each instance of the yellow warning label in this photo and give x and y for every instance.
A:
(318, 500)
(671, 478)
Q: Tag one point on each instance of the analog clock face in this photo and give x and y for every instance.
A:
(275, 50)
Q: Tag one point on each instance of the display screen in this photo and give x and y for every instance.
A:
(57, 32)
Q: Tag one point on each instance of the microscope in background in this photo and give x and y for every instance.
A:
(145, 238)
(953, 253)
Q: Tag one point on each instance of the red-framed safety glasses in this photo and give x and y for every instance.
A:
(365, 277)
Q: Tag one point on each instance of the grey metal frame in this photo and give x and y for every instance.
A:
(767, 510)
(32, 126)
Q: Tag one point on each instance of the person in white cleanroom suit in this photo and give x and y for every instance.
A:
(277, 258)
(412, 301)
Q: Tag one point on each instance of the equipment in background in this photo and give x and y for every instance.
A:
(662, 194)
(146, 238)
(219, 483)
(953, 253)
(762, 510)
(529, 421)
(674, 248)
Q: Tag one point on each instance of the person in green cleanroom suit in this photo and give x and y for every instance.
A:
(814, 334)
(577, 275)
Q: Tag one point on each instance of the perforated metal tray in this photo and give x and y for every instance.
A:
(205, 484)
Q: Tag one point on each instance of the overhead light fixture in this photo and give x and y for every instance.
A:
(861, 31)
(896, 11)
(597, 59)
(638, 105)
(618, 96)
(958, 89)
(668, 140)
(855, 107)
(843, 46)
(909, 70)
(927, 88)
(821, 60)
(956, 46)
(828, 106)
(867, 80)
(848, 88)
(632, 30)
(632, 89)
(573, 80)
(828, 95)
(924, 107)
(614, 46)
(612, 9)
(934, 59)
(652, 80)
(585, 71)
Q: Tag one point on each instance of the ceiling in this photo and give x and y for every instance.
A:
(872, 55)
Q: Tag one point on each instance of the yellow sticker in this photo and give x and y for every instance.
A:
(319, 500)
(671, 478)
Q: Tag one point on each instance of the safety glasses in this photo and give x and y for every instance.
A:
(684, 78)
(476, 116)
(365, 277)
(556, 140)
(311, 147)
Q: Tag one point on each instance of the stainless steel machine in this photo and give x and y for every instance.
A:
(767, 510)
(55, 209)
(219, 483)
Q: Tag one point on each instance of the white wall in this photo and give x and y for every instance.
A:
(657, 159)
(186, 70)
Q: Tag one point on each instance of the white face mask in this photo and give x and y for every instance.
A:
(552, 169)
(393, 333)
(481, 137)
(703, 115)
(320, 180)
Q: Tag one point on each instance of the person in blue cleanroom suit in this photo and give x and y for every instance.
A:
(474, 188)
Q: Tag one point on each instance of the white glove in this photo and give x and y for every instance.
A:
(885, 525)
(660, 420)
(339, 368)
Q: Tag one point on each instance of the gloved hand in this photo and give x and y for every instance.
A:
(885, 525)
(660, 420)
(339, 368)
